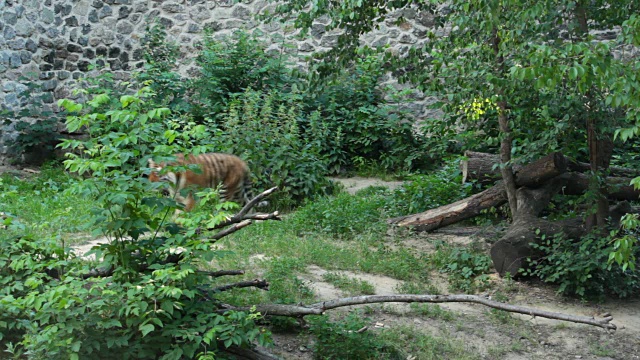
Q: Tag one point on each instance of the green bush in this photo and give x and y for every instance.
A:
(232, 65)
(154, 303)
(263, 129)
(467, 268)
(581, 268)
(424, 192)
(363, 124)
(169, 88)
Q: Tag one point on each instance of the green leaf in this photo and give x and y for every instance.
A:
(146, 328)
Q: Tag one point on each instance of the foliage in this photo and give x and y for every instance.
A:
(424, 192)
(160, 57)
(361, 123)
(264, 129)
(581, 268)
(167, 308)
(467, 268)
(233, 65)
(342, 340)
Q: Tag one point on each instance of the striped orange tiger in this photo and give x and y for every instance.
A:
(225, 170)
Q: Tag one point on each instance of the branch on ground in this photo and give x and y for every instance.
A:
(260, 284)
(243, 214)
(321, 307)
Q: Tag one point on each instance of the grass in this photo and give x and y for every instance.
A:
(41, 204)
(351, 286)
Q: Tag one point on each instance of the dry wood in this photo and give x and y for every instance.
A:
(618, 188)
(457, 211)
(260, 284)
(321, 307)
(223, 273)
(230, 230)
(481, 167)
(244, 214)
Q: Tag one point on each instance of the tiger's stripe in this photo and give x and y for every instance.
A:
(217, 169)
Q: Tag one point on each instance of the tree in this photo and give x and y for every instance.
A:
(526, 72)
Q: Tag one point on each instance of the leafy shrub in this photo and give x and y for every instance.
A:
(424, 192)
(343, 215)
(467, 269)
(364, 125)
(150, 306)
(581, 268)
(263, 129)
(160, 57)
(341, 339)
(232, 65)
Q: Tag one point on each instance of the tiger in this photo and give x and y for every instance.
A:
(217, 169)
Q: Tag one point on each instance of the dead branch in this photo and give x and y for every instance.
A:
(223, 273)
(230, 230)
(243, 214)
(321, 307)
(260, 284)
(98, 272)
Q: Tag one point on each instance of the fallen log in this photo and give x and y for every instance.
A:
(482, 167)
(457, 211)
(617, 188)
(512, 251)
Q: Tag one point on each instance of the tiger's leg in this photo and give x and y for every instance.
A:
(189, 203)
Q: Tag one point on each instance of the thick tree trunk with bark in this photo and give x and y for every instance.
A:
(534, 174)
(482, 167)
(511, 252)
(455, 212)
(479, 166)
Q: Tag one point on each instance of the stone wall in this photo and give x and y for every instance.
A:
(50, 43)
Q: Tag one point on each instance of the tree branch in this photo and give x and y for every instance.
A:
(321, 307)
(230, 230)
(223, 273)
(260, 284)
(243, 214)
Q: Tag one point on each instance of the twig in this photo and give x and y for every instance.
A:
(260, 284)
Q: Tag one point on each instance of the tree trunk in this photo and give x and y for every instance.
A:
(511, 252)
(617, 188)
(455, 212)
(507, 137)
(482, 167)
